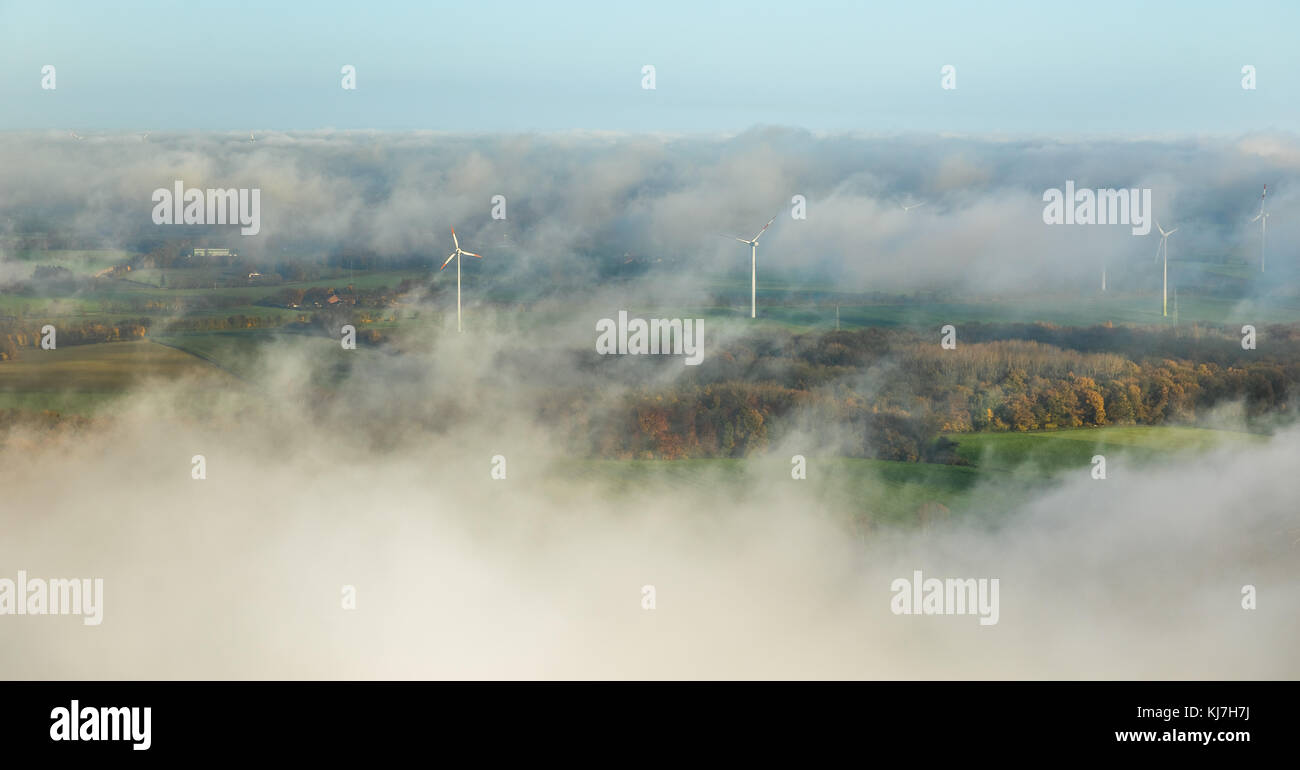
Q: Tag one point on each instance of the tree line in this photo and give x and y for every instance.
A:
(894, 393)
(15, 335)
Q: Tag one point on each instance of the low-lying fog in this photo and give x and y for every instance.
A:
(389, 489)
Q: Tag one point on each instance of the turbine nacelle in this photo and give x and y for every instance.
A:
(459, 251)
(754, 241)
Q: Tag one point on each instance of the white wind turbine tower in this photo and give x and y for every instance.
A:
(753, 266)
(1262, 218)
(1164, 247)
(457, 253)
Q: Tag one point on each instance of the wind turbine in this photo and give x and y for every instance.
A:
(753, 266)
(458, 252)
(1262, 218)
(1164, 247)
(906, 208)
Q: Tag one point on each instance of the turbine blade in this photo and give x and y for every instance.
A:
(454, 239)
(769, 224)
(1257, 217)
(449, 259)
(472, 254)
(1171, 232)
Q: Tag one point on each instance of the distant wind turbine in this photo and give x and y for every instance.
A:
(753, 265)
(458, 252)
(1164, 248)
(1262, 218)
(250, 137)
(906, 208)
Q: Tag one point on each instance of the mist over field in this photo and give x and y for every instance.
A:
(949, 354)
(577, 199)
(373, 468)
(385, 485)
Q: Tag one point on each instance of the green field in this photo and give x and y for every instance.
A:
(1005, 468)
(1063, 311)
(244, 353)
(82, 261)
(1001, 469)
(46, 307)
(63, 402)
(783, 303)
(83, 378)
(114, 299)
(145, 282)
(1061, 450)
(872, 491)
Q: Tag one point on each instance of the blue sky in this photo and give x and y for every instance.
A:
(1022, 68)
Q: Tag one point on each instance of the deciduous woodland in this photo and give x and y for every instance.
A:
(893, 392)
(897, 392)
